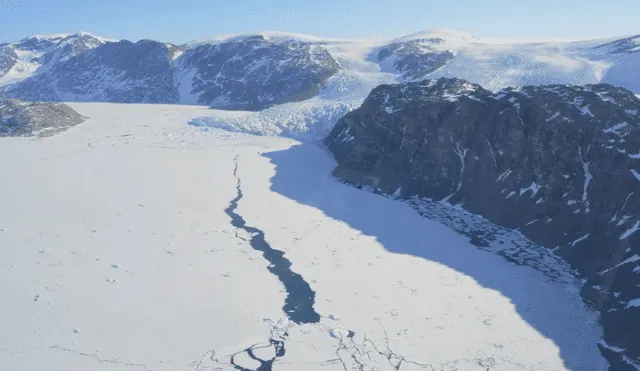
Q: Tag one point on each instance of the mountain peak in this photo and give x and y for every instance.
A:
(62, 36)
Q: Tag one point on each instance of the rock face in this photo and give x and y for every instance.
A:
(251, 73)
(42, 119)
(255, 73)
(560, 163)
(414, 59)
(120, 72)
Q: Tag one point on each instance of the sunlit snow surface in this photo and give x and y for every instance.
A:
(490, 62)
(116, 253)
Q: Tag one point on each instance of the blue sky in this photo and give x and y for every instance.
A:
(186, 20)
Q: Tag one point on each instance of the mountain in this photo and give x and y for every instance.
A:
(121, 72)
(561, 163)
(251, 73)
(257, 71)
(36, 54)
(23, 119)
(498, 63)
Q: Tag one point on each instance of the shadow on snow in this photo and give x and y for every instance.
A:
(303, 174)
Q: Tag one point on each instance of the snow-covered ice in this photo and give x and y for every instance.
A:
(394, 290)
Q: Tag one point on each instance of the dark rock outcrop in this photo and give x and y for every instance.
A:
(414, 59)
(255, 73)
(561, 163)
(22, 119)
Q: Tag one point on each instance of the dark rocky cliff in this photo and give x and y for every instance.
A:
(561, 163)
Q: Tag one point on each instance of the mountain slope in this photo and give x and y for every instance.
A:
(498, 63)
(560, 163)
(254, 72)
(36, 54)
(114, 72)
(250, 73)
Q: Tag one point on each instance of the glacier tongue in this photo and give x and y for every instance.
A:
(305, 121)
(312, 119)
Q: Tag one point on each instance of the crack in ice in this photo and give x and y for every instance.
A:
(98, 358)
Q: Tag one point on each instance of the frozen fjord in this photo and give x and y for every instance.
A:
(116, 253)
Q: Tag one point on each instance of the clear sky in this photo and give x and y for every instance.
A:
(186, 20)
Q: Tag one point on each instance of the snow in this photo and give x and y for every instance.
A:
(309, 120)
(184, 82)
(276, 36)
(631, 230)
(632, 259)
(25, 66)
(616, 128)
(577, 241)
(635, 303)
(554, 116)
(635, 174)
(29, 61)
(391, 110)
(134, 182)
(314, 118)
(587, 180)
(60, 36)
(504, 175)
(611, 347)
(491, 62)
(534, 188)
(585, 111)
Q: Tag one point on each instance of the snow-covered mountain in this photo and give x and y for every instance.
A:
(257, 71)
(248, 73)
(497, 63)
(122, 72)
(253, 73)
(39, 53)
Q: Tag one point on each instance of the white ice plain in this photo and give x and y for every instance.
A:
(116, 254)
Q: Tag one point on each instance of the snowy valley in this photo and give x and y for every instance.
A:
(266, 213)
(127, 259)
